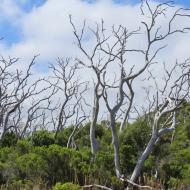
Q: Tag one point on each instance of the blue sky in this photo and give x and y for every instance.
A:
(33, 27)
(183, 2)
(31, 3)
(11, 32)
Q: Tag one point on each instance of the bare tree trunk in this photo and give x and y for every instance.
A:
(157, 133)
(65, 81)
(127, 112)
(2, 134)
(115, 142)
(61, 120)
(143, 157)
(93, 141)
(123, 124)
(70, 140)
(78, 123)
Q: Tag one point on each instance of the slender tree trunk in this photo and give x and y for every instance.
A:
(123, 125)
(126, 116)
(115, 142)
(2, 134)
(70, 139)
(143, 157)
(93, 141)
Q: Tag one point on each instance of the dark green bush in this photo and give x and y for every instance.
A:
(62, 136)
(66, 186)
(42, 138)
(9, 139)
(32, 165)
(23, 146)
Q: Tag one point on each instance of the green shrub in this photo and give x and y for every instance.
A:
(23, 146)
(42, 138)
(32, 165)
(62, 136)
(9, 139)
(67, 186)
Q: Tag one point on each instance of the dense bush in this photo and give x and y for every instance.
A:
(42, 138)
(32, 165)
(8, 139)
(40, 159)
(67, 186)
(62, 136)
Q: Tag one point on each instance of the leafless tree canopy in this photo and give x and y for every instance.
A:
(19, 95)
(112, 49)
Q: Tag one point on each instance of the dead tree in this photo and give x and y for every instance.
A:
(165, 117)
(122, 85)
(70, 90)
(79, 119)
(37, 115)
(16, 91)
(114, 46)
(97, 64)
(167, 102)
(102, 56)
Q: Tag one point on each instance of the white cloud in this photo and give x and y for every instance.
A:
(46, 29)
(9, 11)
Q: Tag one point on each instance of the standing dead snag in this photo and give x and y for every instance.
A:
(80, 117)
(38, 112)
(98, 65)
(121, 85)
(104, 54)
(111, 49)
(165, 117)
(16, 92)
(67, 83)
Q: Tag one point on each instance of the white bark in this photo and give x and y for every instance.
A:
(93, 141)
(115, 142)
(142, 158)
(71, 137)
(156, 133)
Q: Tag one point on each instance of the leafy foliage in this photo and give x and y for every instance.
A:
(67, 186)
(42, 138)
(42, 160)
(8, 139)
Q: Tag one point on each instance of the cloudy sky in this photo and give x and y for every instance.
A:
(30, 27)
(42, 26)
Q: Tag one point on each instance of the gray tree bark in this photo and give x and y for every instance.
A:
(93, 141)
(156, 133)
(143, 157)
(115, 142)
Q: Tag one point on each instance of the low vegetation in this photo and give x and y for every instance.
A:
(42, 161)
